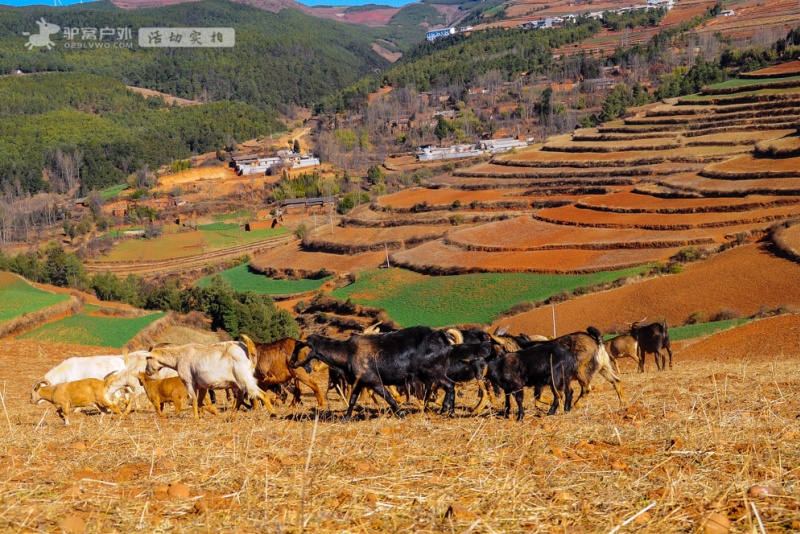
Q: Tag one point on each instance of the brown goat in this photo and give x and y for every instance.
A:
(624, 346)
(163, 391)
(272, 367)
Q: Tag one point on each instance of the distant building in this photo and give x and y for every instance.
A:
(433, 153)
(435, 34)
(726, 13)
(494, 146)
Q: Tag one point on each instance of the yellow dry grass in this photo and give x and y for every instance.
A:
(688, 442)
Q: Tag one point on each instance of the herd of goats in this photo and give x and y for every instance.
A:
(419, 360)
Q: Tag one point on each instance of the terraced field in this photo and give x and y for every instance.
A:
(18, 297)
(701, 171)
(91, 329)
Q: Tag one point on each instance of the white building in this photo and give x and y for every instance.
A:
(454, 152)
(493, 146)
(443, 32)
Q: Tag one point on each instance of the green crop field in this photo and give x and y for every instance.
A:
(185, 244)
(244, 215)
(17, 297)
(740, 94)
(678, 333)
(415, 299)
(217, 226)
(92, 330)
(243, 279)
(744, 82)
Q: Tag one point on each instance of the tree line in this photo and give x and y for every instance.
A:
(235, 312)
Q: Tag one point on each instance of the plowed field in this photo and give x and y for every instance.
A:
(711, 186)
(293, 257)
(742, 166)
(523, 233)
(446, 197)
(743, 279)
(775, 337)
(435, 254)
(628, 201)
(656, 221)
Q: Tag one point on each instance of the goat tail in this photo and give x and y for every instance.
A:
(252, 352)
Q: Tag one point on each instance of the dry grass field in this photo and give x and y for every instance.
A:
(687, 442)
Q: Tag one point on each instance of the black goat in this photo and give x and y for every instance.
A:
(392, 359)
(546, 364)
(652, 339)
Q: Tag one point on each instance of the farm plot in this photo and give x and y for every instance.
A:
(18, 297)
(541, 158)
(445, 198)
(736, 138)
(291, 259)
(89, 329)
(186, 244)
(526, 233)
(437, 258)
(695, 183)
(785, 147)
(588, 471)
(790, 68)
(574, 216)
(566, 143)
(743, 281)
(629, 202)
(243, 279)
(748, 167)
(415, 299)
(352, 240)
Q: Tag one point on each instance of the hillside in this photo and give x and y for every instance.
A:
(278, 58)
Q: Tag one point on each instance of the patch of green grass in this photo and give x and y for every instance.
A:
(92, 330)
(242, 214)
(243, 279)
(218, 226)
(414, 299)
(739, 94)
(17, 298)
(238, 236)
(678, 333)
(744, 82)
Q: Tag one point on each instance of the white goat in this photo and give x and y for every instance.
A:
(203, 367)
(126, 378)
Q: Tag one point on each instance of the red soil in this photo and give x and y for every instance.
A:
(712, 186)
(767, 339)
(292, 257)
(437, 254)
(567, 157)
(376, 236)
(791, 236)
(445, 197)
(743, 279)
(743, 165)
(628, 200)
(585, 217)
(526, 233)
(789, 69)
(755, 16)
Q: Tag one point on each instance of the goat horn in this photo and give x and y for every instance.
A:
(504, 330)
(456, 334)
(41, 383)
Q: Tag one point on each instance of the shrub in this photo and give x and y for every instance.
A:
(696, 317)
(456, 204)
(301, 231)
(725, 314)
(581, 290)
(474, 204)
(457, 219)
(321, 317)
(688, 254)
(301, 306)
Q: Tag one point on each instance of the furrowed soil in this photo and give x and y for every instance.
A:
(685, 443)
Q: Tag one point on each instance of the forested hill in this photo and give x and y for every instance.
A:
(460, 59)
(279, 59)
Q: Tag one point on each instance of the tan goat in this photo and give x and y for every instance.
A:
(67, 396)
(163, 391)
